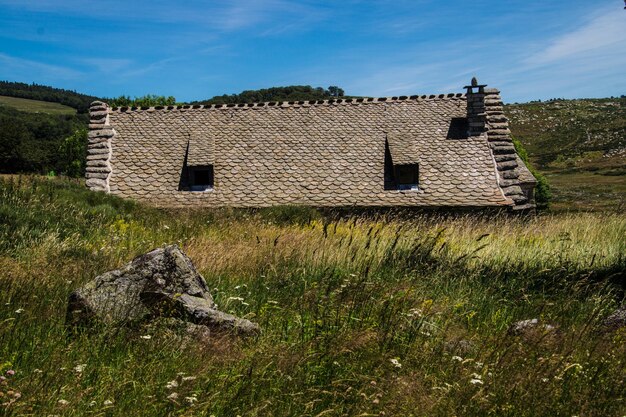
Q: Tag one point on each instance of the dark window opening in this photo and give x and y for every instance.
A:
(400, 176)
(406, 176)
(201, 178)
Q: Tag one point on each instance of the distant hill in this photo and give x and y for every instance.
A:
(587, 134)
(35, 106)
(289, 93)
(78, 101)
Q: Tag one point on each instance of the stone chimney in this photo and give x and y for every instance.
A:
(98, 168)
(476, 116)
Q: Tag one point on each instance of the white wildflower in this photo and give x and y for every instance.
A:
(63, 402)
(172, 384)
(173, 396)
(476, 380)
(234, 299)
(166, 227)
(19, 310)
(189, 378)
(80, 368)
(395, 362)
(457, 358)
(192, 399)
(92, 404)
(108, 403)
(37, 371)
(146, 336)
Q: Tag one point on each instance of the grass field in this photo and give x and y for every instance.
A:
(35, 106)
(361, 316)
(586, 191)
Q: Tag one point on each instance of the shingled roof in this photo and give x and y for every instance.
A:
(319, 153)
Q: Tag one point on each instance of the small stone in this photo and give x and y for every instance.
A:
(616, 320)
(524, 327)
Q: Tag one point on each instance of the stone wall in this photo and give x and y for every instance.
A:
(99, 151)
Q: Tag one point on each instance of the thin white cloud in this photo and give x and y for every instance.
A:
(11, 65)
(606, 32)
(227, 16)
(106, 65)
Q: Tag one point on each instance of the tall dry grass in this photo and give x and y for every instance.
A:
(378, 315)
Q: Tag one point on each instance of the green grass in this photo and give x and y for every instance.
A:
(587, 191)
(361, 316)
(36, 106)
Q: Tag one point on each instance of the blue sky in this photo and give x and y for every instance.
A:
(531, 49)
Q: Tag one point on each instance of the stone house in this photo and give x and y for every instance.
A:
(448, 150)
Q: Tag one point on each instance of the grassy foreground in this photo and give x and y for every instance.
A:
(361, 317)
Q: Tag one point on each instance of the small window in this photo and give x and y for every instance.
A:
(406, 176)
(201, 178)
(400, 176)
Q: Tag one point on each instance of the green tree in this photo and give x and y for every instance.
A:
(12, 135)
(148, 100)
(72, 153)
(335, 91)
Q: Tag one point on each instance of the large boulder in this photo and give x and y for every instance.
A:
(160, 283)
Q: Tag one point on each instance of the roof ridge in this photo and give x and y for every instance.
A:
(296, 103)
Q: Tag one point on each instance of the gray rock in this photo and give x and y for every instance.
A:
(524, 327)
(160, 283)
(460, 347)
(616, 320)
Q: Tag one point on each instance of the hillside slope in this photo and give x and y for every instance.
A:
(34, 91)
(580, 146)
(35, 106)
(586, 134)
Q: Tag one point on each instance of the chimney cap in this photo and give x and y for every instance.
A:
(474, 84)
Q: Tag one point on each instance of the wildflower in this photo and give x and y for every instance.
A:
(457, 358)
(80, 368)
(146, 336)
(166, 227)
(10, 372)
(172, 384)
(395, 362)
(476, 380)
(188, 378)
(37, 371)
(108, 403)
(63, 403)
(19, 310)
(234, 299)
(192, 399)
(173, 396)
(92, 404)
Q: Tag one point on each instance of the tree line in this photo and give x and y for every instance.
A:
(78, 101)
